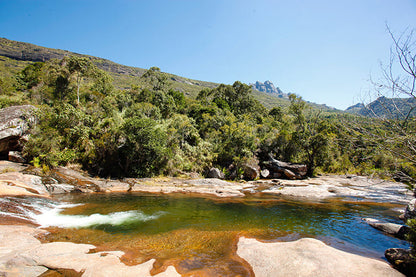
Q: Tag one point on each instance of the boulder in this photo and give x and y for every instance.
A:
(402, 260)
(215, 173)
(15, 124)
(265, 173)
(251, 173)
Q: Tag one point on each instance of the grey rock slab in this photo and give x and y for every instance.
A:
(308, 257)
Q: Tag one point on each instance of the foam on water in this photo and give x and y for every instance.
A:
(54, 218)
(47, 213)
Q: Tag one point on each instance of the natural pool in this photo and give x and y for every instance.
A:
(198, 234)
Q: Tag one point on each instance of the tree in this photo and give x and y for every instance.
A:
(397, 133)
(80, 67)
(311, 134)
(157, 79)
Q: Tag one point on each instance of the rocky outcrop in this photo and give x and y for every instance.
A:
(279, 169)
(307, 257)
(268, 87)
(15, 124)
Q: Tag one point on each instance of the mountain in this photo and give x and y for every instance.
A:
(269, 87)
(386, 108)
(355, 108)
(15, 56)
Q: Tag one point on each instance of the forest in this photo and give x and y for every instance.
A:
(151, 129)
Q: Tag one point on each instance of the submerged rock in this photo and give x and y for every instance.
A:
(307, 257)
(393, 229)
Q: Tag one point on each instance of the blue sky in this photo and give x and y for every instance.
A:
(323, 50)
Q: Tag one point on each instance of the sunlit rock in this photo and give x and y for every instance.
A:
(307, 257)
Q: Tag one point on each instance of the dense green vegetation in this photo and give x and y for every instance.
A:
(151, 128)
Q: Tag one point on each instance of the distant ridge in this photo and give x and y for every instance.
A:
(390, 108)
(123, 75)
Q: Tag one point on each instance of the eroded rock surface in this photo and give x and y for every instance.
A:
(308, 257)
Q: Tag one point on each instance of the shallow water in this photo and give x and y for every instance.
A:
(198, 235)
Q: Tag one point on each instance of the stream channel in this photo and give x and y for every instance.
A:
(198, 235)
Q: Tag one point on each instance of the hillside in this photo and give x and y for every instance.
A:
(14, 56)
(21, 53)
(384, 107)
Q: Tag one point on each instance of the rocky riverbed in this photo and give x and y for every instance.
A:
(22, 254)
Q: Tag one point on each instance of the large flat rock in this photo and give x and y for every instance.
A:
(21, 254)
(308, 257)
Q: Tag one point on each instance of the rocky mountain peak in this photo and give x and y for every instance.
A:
(268, 87)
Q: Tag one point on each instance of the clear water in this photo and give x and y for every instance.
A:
(198, 234)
